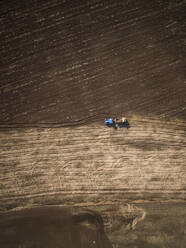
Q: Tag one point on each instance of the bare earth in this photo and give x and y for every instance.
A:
(65, 66)
(119, 173)
(64, 61)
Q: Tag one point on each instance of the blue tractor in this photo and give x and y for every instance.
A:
(110, 122)
(114, 122)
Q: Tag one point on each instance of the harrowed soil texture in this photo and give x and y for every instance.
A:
(64, 61)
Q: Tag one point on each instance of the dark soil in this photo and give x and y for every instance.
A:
(64, 60)
(51, 227)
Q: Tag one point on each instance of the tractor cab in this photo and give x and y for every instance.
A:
(110, 122)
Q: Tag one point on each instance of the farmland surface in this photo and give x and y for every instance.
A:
(67, 65)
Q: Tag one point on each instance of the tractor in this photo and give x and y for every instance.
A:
(115, 122)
